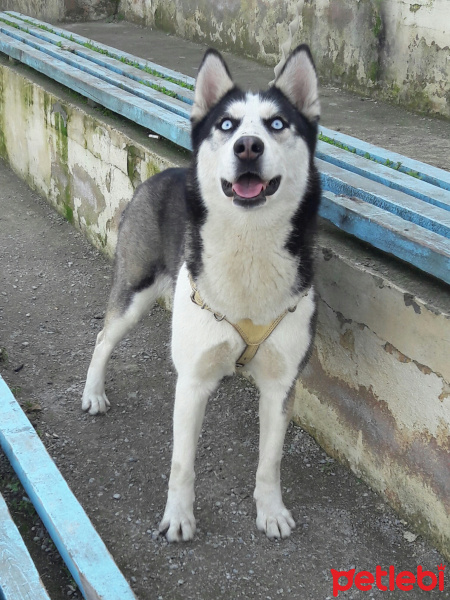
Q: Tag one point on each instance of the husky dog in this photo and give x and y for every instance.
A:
(233, 234)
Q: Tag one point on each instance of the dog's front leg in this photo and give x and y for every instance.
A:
(272, 516)
(178, 521)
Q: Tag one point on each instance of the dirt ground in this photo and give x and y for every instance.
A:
(53, 290)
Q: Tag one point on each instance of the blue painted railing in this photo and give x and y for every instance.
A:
(397, 204)
(80, 546)
(19, 578)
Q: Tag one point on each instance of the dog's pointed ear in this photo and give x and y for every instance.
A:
(213, 82)
(298, 82)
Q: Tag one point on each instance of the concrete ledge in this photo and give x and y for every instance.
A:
(85, 163)
(377, 391)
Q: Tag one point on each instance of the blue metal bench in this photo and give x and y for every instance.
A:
(397, 204)
(19, 579)
(81, 548)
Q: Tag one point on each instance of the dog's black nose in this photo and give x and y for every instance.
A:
(248, 148)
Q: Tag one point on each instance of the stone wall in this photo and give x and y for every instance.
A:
(392, 49)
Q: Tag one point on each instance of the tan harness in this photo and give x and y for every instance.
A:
(253, 335)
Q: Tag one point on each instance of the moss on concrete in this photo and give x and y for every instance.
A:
(103, 240)
(151, 169)
(378, 26)
(68, 213)
(3, 144)
(135, 158)
(418, 100)
(60, 127)
(27, 96)
(373, 72)
(165, 18)
(56, 122)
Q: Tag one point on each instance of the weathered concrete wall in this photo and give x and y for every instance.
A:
(376, 394)
(47, 10)
(86, 168)
(377, 391)
(59, 10)
(393, 49)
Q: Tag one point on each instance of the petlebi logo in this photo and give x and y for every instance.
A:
(388, 579)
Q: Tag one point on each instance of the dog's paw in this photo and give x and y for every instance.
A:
(95, 403)
(178, 524)
(274, 519)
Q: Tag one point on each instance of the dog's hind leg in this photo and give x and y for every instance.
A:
(117, 324)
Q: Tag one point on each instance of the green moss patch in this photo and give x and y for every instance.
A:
(396, 166)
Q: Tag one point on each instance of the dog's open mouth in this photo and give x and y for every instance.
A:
(250, 190)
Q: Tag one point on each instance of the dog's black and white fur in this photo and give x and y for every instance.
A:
(241, 222)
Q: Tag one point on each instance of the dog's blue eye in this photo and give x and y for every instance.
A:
(277, 124)
(226, 125)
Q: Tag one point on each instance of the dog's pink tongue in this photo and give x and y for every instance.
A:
(248, 187)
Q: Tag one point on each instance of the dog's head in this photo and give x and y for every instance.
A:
(252, 149)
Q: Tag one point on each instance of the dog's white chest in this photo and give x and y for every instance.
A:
(247, 273)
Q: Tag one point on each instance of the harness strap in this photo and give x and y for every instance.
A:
(253, 335)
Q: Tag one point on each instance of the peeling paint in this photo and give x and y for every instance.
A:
(355, 293)
(347, 341)
(376, 394)
(445, 391)
(87, 195)
(398, 355)
(409, 301)
(410, 469)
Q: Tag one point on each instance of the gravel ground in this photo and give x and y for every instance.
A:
(53, 290)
